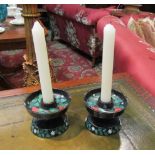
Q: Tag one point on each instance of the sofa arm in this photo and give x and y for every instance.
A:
(115, 21)
(132, 54)
(67, 10)
(76, 12)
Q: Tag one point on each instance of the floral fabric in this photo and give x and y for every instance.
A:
(58, 10)
(132, 54)
(76, 25)
(71, 34)
(55, 29)
(11, 58)
(144, 28)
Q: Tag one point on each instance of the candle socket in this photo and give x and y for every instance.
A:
(103, 118)
(49, 105)
(49, 120)
(105, 105)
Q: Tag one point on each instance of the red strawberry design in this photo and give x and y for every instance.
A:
(117, 109)
(60, 108)
(35, 109)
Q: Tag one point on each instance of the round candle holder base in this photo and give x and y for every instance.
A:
(102, 127)
(50, 128)
(49, 120)
(104, 120)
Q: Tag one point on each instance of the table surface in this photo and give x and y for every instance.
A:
(13, 32)
(138, 123)
(13, 37)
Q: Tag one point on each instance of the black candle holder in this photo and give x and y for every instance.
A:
(49, 120)
(103, 118)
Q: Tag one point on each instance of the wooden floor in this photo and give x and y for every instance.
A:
(138, 124)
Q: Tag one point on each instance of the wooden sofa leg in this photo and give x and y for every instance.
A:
(93, 62)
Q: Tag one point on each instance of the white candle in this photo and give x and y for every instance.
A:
(42, 62)
(107, 62)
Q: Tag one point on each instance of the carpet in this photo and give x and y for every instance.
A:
(68, 64)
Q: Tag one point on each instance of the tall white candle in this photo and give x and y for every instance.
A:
(42, 62)
(107, 62)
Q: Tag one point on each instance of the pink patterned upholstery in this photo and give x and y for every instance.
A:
(126, 18)
(11, 58)
(76, 25)
(77, 12)
(59, 9)
(10, 64)
(132, 54)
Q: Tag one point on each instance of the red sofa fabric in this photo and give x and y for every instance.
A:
(142, 27)
(76, 34)
(76, 25)
(91, 16)
(126, 18)
(132, 54)
(11, 58)
(60, 9)
(77, 12)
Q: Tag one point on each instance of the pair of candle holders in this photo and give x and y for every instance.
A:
(50, 120)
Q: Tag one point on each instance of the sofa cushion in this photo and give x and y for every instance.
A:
(136, 27)
(86, 16)
(144, 28)
(91, 16)
(67, 10)
(126, 18)
(149, 32)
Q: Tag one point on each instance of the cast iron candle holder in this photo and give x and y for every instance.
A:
(49, 120)
(103, 118)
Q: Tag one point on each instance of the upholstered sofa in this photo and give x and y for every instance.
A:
(132, 53)
(76, 25)
(83, 28)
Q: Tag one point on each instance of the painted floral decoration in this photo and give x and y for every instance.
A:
(71, 34)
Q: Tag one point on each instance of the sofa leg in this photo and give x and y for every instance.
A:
(93, 62)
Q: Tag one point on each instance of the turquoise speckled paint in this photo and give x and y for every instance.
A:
(92, 102)
(35, 104)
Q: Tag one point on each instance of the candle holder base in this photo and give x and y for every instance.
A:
(102, 127)
(50, 128)
(104, 120)
(49, 121)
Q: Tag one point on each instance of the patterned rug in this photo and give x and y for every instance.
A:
(68, 64)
